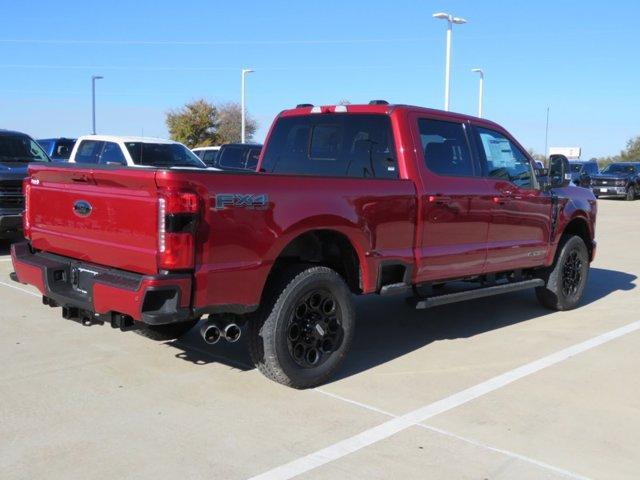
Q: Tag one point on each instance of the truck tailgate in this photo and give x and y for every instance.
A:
(104, 216)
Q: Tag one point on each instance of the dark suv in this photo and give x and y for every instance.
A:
(17, 150)
(618, 180)
(58, 149)
(582, 172)
(238, 156)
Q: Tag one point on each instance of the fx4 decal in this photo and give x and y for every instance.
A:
(241, 200)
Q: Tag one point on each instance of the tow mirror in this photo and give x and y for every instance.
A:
(559, 174)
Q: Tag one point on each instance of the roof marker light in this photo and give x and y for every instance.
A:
(316, 109)
(340, 108)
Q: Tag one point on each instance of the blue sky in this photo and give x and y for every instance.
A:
(578, 58)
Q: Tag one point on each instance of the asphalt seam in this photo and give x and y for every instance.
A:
(396, 425)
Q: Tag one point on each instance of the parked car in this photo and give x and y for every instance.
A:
(133, 152)
(238, 156)
(618, 180)
(357, 199)
(58, 149)
(582, 172)
(208, 155)
(17, 151)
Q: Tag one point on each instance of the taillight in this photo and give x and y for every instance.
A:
(26, 223)
(177, 220)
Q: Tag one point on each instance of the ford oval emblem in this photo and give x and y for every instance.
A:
(82, 208)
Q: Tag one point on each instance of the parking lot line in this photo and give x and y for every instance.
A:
(415, 417)
(23, 290)
(508, 453)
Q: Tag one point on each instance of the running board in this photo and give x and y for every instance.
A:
(438, 300)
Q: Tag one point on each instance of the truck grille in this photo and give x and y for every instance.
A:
(605, 182)
(11, 194)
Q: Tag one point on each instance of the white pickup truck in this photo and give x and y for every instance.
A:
(133, 152)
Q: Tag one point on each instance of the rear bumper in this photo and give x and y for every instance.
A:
(70, 283)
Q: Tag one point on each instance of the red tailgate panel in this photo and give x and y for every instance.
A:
(121, 229)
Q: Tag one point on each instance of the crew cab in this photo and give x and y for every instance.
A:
(133, 152)
(618, 180)
(359, 199)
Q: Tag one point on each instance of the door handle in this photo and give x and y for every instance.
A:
(440, 199)
(502, 199)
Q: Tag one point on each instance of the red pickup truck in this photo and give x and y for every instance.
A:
(359, 199)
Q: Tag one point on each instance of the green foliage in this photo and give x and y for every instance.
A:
(632, 152)
(201, 123)
(195, 124)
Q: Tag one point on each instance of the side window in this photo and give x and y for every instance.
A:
(208, 156)
(332, 145)
(232, 157)
(112, 154)
(504, 160)
(252, 158)
(89, 151)
(445, 147)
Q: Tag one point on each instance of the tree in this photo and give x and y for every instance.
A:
(201, 123)
(229, 124)
(632, 152)
(195, 124)
(537, 156)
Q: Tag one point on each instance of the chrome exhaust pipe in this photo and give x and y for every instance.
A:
(211, 333)
(232, 332)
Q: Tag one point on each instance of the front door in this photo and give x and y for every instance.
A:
(520, 225)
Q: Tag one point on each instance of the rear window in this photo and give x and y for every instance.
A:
(343, 145)
(63, 149)
(162, 155)
(209, 156)
(232, 157)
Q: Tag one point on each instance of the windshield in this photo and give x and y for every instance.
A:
(619, 168)
(163, 155)
(16, 147)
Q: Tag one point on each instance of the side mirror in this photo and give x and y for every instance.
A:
(559, 171)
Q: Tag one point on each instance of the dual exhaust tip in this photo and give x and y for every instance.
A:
(213, 330)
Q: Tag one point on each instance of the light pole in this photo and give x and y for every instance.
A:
(481, 92)
(93, 100)
(447, 75)
(245, 72)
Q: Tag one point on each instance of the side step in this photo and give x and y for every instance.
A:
(438, 300)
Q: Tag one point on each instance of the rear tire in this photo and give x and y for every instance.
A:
(303, 331)
(567, 278)
(170, 331)
(631, 193)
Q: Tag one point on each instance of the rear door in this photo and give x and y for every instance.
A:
(520, 225)
(455, 204)
(100, 215)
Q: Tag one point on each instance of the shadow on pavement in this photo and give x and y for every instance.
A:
(388, 328)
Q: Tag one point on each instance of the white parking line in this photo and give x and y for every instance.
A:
(398, 424)
(21, 289)
(508, 453)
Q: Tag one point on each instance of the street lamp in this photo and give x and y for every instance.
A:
(481, 92)
(93, 99)
(245, 72)
(447, 75)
